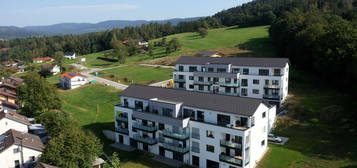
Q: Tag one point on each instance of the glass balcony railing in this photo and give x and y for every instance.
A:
(122, 118)
(272, 86)
(202, 82)
(231, 144)
(146, 128)
(147, 140)
(229, 84)
(174, 147)
(179, 80)
(122, 130)
(236, 160)
(180, 136)
(275, 97)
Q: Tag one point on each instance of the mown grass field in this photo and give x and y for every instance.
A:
(232, 41)
(93, 108)
(137, 74)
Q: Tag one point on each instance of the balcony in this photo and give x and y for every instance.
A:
(121, 118)
(229, 84)
(273, 97)
(174, 147)
(122, 130)
(202, 83)
(179, 80)
(146, 128)
(147, 140)
(271, 86)
(178, 136)
(236, 160)
(231, 144)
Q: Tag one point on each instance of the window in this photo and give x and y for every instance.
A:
(195, 133)
(227, 89)
(235, 70)
(200, 116)
(263, 115)
(167, 112)
(215, 80)
(210, 69)
(195, 161)
(17, 164)
(180, 68)
(266, 82)
(255, 91)
(244, 92)
(263, 142)
(275, 82)
(210, 148)
(209, 134)
(200, 87)
(245, 71)
(139, 105)
(221, 70)
(264, 72)
(256, 81)
(209, 88)
(181, 76)
(223, 120)
(32, 158)
(277, 72)
(191, 86)
(126, 103)
(195, 147)
(191, 78)
(244, 82)
(253, 121)
(200, 78)
(181, 85)
(16, 150)
(192, 69)
(161, 126)
(188, 113)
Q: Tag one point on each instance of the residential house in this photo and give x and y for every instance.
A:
(71, 80)
(12, 120)
(209, 54)
(39, 60)
(53, 69)
(19, 149)
(263, 78)
(70, 55)
(195, 128)
(8, 92)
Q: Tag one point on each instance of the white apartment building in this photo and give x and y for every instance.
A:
(263, 78)
(19, 150)
(199, 129)
(12, 120)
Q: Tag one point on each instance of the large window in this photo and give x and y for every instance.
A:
(244, 82)
(195, 161)
(210, 148)
(244, 92)
(195, 133)
(189, 113)
(167, 112)
(200, 78)
(139, 105)
(235, 70)
(200, 116)
(200, 87)
(255, 91)
(195, 147)
(192, 69)
(256, 81)
(227, 89)
(180, 68)
(245, 71)
(191, 78)
(264, 72)
(161, 126)
(223, 119)
(277, 72)
(210, 134)
(221, 70)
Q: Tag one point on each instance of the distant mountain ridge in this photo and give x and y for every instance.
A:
(10, 32)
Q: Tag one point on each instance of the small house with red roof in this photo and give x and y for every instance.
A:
(72, 80)
(39, 60)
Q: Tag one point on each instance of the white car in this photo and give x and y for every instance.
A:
(273, 138)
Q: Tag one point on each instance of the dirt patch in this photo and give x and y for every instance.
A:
(163, 61)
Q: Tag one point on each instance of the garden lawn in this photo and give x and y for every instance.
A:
(93, 108)
(137, 74)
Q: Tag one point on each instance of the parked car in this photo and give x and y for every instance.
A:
(273, 138)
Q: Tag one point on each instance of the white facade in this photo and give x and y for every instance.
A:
(55, 70)
(270, 83)
(72, 83)
(6, 124)
(70, 55)
(12, 154)
(193, 135)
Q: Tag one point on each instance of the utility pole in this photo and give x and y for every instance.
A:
(21, 151)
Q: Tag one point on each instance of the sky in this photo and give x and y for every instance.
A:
(45, 12)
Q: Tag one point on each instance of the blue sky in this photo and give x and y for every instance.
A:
(45, 12)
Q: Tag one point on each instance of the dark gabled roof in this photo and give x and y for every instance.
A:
(13, 137)
(236, 61)
(229, 104)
